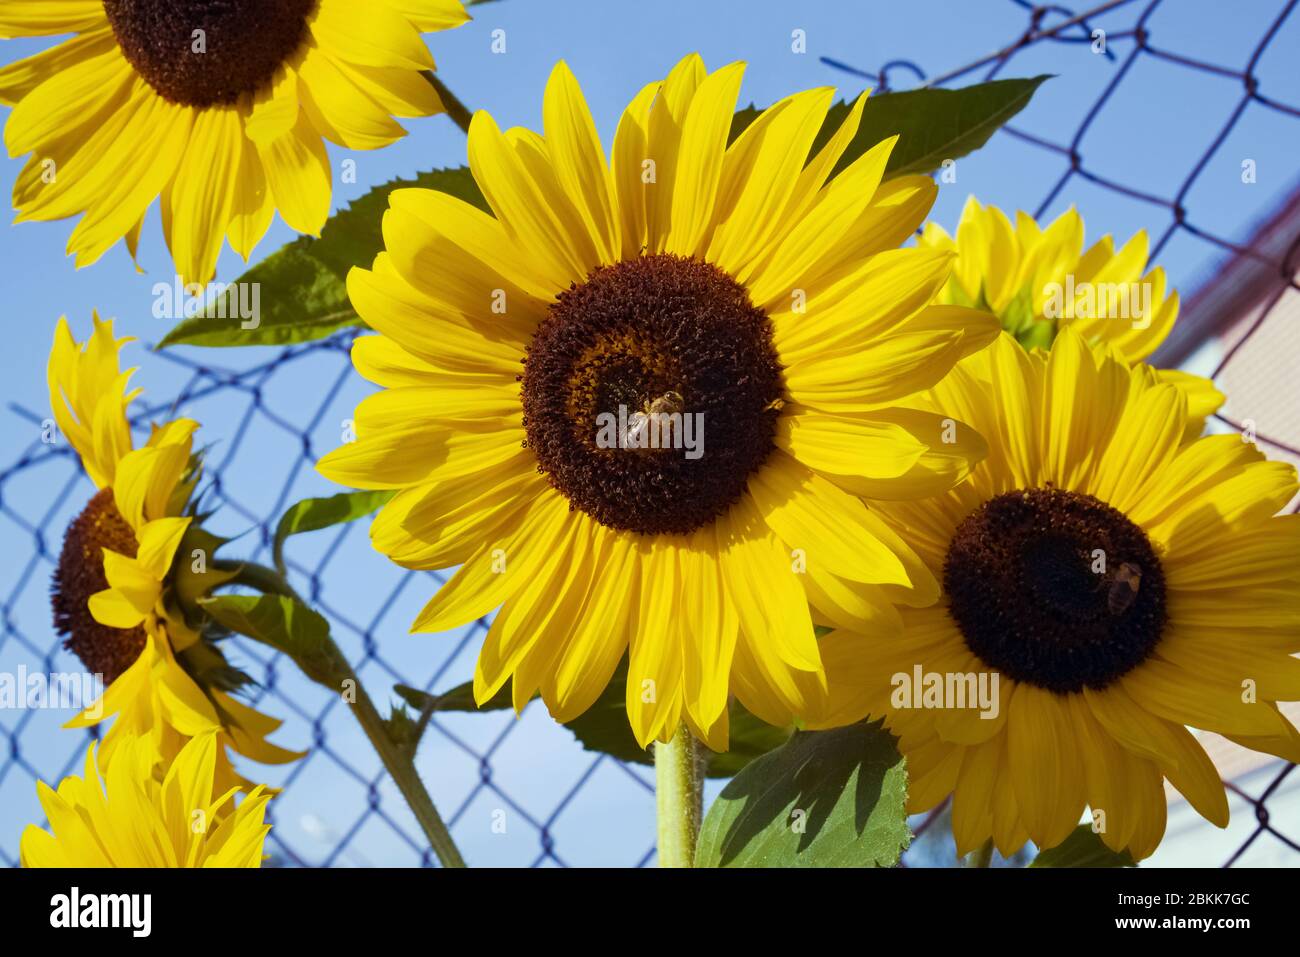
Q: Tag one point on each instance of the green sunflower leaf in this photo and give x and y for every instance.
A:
(285, 625)
(933, 125)
(459, 698)
(604, 726)
(1083, 848)
(823, 799)
(302, 289)
(313, 514)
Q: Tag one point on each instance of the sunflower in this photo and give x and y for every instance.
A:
(1120, 583)
(133, 564)
(1038, 280)
(138, 814)
(732, 299)
(219, 108)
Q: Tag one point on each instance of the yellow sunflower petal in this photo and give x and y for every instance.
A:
(655, 669)
(759, 175)
(601, 633)
(431, 15)
(828, 526)
(298, 175)
(88, 397)
(579, 160)
(343, 112)
(37, 18)
(197, 204)
(1048, 780)
(1168, 744)
(382, 37)
(763, 584)
(699, 167)
(532, 211)
(498, 568)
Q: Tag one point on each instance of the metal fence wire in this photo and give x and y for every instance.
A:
(339, 768)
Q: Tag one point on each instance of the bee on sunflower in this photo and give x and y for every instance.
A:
(1040, 279)
(731, 283)
(135, 563)
(217, 108)
(1122, 582)
(133, 811)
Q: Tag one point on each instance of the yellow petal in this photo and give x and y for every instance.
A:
(159, 540)
(631, 155)
(274, 109)
(298, 175)
(533, 212)
(380, 38)
(579, 160)
(253, 207)
(498, 568)
(1047, 777)
(825, 525)
(343, 112)
(431, 15)
(699, 167)
(759, 176)
(197, 204)
(38, 18)
(655, 668)
(763, 585)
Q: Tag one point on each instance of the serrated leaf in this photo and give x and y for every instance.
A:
(302, 292)
(313, 514)
(932, 124)
(1083, 848)
(604, 726)
(823, 799)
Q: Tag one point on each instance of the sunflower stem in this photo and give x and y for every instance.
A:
(401, 767)
(459, 113)
(983, 857)
(679, 797)
(258, 577)
(397, 760)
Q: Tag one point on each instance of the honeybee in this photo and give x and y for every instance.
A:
(1124, 589)
(638, 423)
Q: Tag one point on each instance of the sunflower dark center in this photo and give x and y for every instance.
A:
(1055, 589)
(207, 52)
(80, 573)
(651, 393)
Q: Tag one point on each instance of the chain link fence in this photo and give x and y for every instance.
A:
(518, 791)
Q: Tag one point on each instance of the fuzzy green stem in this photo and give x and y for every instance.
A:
(679, 795)
(258, 577)
(401, 767)
(338, 674)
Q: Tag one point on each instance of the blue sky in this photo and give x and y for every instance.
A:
(1148, 137)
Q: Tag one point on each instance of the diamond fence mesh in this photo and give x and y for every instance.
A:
(517, 791)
